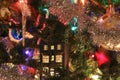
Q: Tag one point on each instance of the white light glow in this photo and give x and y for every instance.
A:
(23, 1)
(27, 52)
(95, 77)
(93, 56)
(101, 20)
(83, 2)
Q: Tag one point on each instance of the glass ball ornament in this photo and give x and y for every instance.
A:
(17, 34)
(14, 35)
(106, 32)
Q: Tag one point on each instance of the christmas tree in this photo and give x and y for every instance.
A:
(89, 29)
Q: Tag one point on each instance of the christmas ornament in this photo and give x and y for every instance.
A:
(65, 11)
(10, 71)
(25, 11)
(101, 58)
(15, 35)
(44, 10)
(28, 52)
(106, 32)
(74, 24)
(31, 70)
(23, 67)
